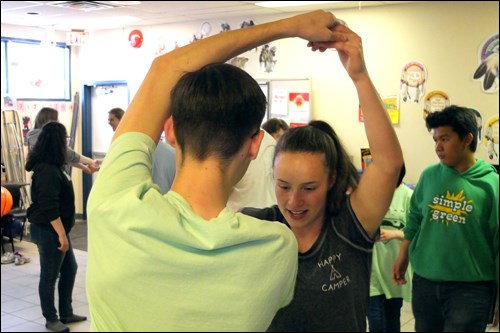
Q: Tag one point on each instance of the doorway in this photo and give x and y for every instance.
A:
(98, 98)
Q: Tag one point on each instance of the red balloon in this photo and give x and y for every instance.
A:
(6, 201)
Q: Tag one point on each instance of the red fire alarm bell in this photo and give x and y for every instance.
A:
(135, 38)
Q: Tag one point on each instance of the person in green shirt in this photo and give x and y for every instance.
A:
(386, 298)
(451, 238)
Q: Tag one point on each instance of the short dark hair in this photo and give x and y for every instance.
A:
(273, 125)
(461, 119)
(117, 112)
(215, 109)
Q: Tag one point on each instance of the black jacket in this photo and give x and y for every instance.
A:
(52, 196)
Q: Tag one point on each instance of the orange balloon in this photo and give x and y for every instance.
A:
(6, 201)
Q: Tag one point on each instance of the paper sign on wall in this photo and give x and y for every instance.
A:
(299, 107)
(279, 102)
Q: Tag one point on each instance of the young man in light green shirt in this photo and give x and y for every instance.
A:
(183, 261)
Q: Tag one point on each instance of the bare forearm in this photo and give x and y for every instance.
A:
(389, 234)
(58, 227)
(376, 188)
(403, 250)
(151, 106)
(86, 160)
(168, 69)
(61, 233)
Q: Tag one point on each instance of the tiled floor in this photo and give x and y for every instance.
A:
(21, 310)
(21, 306)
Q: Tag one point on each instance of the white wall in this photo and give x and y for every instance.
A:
(444, 36)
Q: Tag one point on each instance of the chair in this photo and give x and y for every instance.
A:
(18, 212)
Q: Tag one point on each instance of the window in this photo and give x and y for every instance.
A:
(32, 71)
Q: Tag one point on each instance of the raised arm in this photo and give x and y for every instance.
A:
(151, 105)
(373, 196)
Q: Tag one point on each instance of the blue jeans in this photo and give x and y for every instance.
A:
(54, 264)
(384, 315)
(451, 306)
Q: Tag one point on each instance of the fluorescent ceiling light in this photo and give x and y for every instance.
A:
(278, 4)
(126, 3)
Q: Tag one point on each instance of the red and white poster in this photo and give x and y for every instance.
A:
(299, 108)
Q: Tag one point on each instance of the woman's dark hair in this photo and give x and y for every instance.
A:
(402, 174)
(44, 116)
(50, 147)
(319, 137)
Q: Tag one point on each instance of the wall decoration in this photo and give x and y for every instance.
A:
(266, 58)
(366, 158)
(279, 102)
(165, 43)
(391, 104)
(224, 26)
(161, 47)
(479, 120)
(299, 107)
(246, 24)
(413, 78)
(487, 70)
(490, 141)
(29, 109)
(135, 38)
(239, 62)
(195, 37)
(435, 101)
(205, 29)
(26, 128)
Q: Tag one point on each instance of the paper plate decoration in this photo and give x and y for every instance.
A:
(413, 78)
(435, 101)
(135, 38)
(206, 29)
(487, 70)
(490, 140)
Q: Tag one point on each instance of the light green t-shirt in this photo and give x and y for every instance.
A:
(385, 254)
(155, 265)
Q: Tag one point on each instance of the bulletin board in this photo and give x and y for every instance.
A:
(290, 100)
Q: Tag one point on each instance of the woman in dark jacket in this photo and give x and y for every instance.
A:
(52, 215)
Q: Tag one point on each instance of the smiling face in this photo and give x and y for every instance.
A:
(301, 185)
(113, 121)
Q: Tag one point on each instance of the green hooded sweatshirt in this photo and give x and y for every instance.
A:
(453, 224)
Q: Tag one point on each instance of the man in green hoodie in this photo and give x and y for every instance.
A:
(451, 237)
